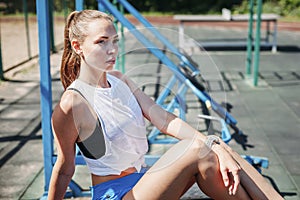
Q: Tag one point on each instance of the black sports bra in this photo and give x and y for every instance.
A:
(92, 147)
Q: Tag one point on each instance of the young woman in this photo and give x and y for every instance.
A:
(102, 111)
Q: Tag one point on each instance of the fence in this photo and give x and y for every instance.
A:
(19, 36)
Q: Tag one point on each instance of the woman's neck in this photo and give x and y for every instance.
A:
(95, 79)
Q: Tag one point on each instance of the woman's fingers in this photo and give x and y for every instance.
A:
(225, 177)
(229, 168)
(236, 181)
(231, 179)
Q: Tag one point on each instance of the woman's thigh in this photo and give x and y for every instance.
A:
(169, 176)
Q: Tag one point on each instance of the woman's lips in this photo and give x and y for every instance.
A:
(112, 61)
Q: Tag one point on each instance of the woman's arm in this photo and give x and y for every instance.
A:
(166, 122)
(170, 124)
(65, 135)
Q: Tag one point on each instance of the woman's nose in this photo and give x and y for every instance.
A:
(112, 49)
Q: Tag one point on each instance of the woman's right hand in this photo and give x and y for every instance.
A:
(229, 168)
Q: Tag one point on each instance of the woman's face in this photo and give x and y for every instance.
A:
(100, 47)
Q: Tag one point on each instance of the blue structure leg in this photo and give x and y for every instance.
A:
(42, 7)
(45, 86)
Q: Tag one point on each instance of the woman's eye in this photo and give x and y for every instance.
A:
(116, 40)
(101, 42)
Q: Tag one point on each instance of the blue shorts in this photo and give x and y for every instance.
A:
(115, 189)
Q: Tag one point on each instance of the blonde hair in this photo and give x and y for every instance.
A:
(76, 28)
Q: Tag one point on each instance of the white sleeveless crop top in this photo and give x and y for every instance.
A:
(122, 124)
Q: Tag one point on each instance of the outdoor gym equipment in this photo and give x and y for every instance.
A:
(184, 76)
(184, 73)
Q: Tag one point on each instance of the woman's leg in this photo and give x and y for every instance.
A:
(253, 182)
(170, 175)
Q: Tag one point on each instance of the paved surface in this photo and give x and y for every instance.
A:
(268, 114)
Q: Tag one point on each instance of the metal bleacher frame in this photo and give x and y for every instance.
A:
(184, 74)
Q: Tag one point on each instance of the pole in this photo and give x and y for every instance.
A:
(65, 8)
(42, 7)
(122, 43)
(120, 64)
(1, 66)
(52, 41)
(249, 39)
(117, 65)
(79, 5)
(25, 10)
(257, 43)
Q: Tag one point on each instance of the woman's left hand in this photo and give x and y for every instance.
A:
(229, 168)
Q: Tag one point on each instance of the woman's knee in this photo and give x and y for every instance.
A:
(208, 163)
(204, 156)
(198, 155)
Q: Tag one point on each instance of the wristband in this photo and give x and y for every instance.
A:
(212, 139)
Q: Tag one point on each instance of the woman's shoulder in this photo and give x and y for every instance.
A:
(69, 103)
(71, 99)
(65, 121)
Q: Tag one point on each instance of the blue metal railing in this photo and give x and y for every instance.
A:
(202, 95)
(160, 37)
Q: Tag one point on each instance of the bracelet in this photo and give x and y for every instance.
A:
(211, 140)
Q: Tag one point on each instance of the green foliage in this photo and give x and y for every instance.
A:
(184, 6)
(290, 7)
(16, 6)
(242, 8)
(280, 7)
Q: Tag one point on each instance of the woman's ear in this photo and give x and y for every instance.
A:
(76, 46)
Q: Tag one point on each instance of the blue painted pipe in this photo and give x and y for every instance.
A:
(79, 5)
(45, 87)
(150, 46)
(165, 60)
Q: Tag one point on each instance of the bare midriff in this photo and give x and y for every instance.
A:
(101, 179)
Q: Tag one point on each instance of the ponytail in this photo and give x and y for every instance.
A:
(70, 64)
